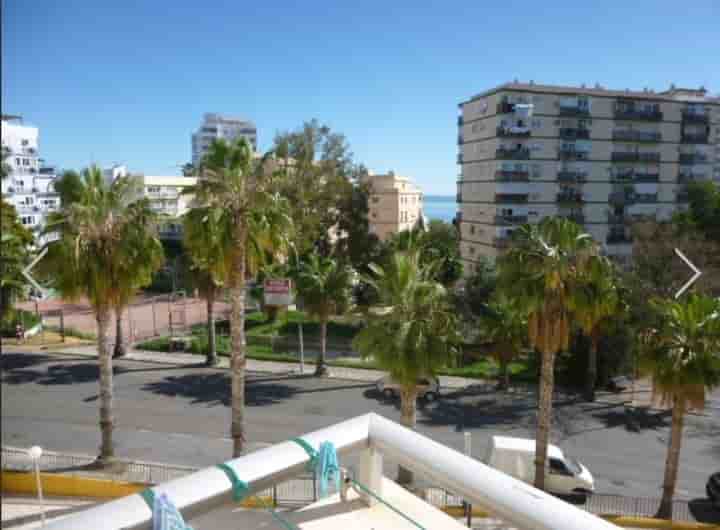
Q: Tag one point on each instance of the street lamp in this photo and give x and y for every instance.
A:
(35, 452)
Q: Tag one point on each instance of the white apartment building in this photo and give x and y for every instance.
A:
(600, 157)
(395, 203)
(216, 126)
(167, 199)
(30, 185)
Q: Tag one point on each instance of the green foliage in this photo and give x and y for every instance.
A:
(69, 186)
(325, 287)
(358, 245)
(504, 328)
(412, 332)
(479, 288)
(14, 256)
(14, 317)
(703, 213)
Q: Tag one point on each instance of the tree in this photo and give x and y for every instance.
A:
(253, 223)
(207, 250)
(505, 327)
(188, 170)
(703, 213)
(683, 360)
(595, 300)
(69, 187)
(540, 272)
(108, 248)
(16, 241)
(357, 244)
(412, 332)
(325, 288)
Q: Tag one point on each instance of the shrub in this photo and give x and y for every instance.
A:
(15, 317)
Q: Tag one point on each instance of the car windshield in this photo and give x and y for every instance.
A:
(573, 465)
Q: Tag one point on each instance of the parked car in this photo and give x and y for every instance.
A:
(428, 388)
(713, 489)
(516, 457)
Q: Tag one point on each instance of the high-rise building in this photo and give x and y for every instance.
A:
(216, 126)
(30, 184)
(395, 204)
(600, 157)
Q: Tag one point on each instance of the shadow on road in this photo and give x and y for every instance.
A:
(634, 421)
(703, 511)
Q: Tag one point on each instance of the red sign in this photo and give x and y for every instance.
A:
(277, 292)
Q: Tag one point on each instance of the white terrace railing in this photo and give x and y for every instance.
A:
(509, 499)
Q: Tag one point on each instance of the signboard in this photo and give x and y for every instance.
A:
(277, 292)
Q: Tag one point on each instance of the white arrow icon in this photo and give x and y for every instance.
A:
(26, 273)
(691, 280)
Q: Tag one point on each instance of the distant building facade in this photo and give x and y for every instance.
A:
(216, 126)
(168, 200)
(395, 204)
(30, 184)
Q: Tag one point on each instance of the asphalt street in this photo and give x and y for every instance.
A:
(181, 415)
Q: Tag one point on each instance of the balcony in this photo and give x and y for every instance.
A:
(572, 154)
(647, 177)
(683, 196)
(621, 197)
(692, 158)
(511, 197)
(695, 117)
(631, 112)
(614, 238)
(513, 154)
(635, 157)
(504, 175)
(458, 198)
(684, 178)
(617, 219)
(510, 219)
(570, 197)
(460, 140)
(695, 138)
(574, 110)
(575, 217)
(505, 108)
(459, 158)
(460, 121)
(646, 198)
(574, 134)
(502, 242)
(513, 132)
(571, 176)
(636, 136)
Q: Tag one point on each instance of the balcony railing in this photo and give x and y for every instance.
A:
(631, 113)
(513, 154)
(646, 198)
(574, 134)
(683, 196)
(505, 108)
(460, 140)
(458, 198)
(459, 158)
(636, 136)
(511, 197)
(577, 217)
(573, 110)
(621, 197)
(571, 176)
(618, 238)
(572, 154)
(510, 219)
(635, 157)
(460, 121)
(695, 138)
(692, 158)
(504, 175)
(695, 117)
(519, 132)
(614, 218)
(684, 178)
(570, 196)
(647, 177)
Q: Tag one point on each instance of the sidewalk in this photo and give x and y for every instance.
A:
(20, 512)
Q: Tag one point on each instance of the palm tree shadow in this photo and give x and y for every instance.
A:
(703, 511)
(215, 389)
(635, 421)
(57, 374)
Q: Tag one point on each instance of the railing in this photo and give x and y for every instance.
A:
(513, 154)
(684, 178)
(619, 197)
(510, 219)
(636, 136)
(695, 138)
(458, 198)
(571, 176)
(647, 177)
(635, 157)
(459, 158)
(460, 121)
(629, 113)
(574, 134)
(614, 218)
(574, 111)
(511, 197)
(692, 158)
(569, 197)
(460, 140)
(695, 117)
(512, 175)
(522, 132)
(572, 154)
(646, 197)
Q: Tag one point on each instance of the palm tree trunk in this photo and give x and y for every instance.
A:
(408, 417)
(504, 374)
(321, 366)
(107, 451)
(211, 359)
(547, 383)
(591, 379)
(673, 458)
(237, 324)
(120, 350)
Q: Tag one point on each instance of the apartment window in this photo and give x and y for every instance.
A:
(27, 220)
(536, 123)
(583, 102)
(376, 199)
(471, 250)
(536, 171)
(26, 162)
(153, 189)
(472, 230)
(536, 147)
(17, 161)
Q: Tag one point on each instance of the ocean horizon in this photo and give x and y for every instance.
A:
(442, 207)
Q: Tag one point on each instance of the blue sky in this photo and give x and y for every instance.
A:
(128, 81)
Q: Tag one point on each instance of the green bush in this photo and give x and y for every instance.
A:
(15, 317)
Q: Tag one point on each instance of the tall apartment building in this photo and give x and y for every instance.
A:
(600, 157)
(216, 126)
(168, 200)
(30, 184)
(395, 204)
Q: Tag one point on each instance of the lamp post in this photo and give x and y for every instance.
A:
(35, 452)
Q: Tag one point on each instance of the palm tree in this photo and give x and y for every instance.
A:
(325, 287)
(505, 326)
(540, 273)
(108, 248)
(683, 360)
(203, 239)
(595, 300)
(252, 226)
(412, 332)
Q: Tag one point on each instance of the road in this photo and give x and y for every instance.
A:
(181, 415)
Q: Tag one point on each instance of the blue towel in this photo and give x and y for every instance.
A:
(166, 516)
(327, 468)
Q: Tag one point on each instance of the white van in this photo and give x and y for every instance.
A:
(516, 457)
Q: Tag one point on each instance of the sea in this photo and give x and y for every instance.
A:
(441, 207)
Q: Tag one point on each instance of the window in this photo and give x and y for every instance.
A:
(26, 162)
(471, 250)
(537, 123)
(17, 161)
(27, 220)
(376, 200)
(25, 142)
(557, 467)
(472, 229)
